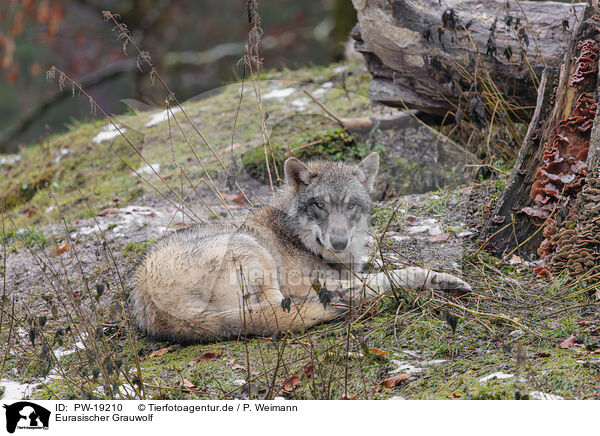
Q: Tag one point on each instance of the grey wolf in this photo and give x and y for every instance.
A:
(284, 267)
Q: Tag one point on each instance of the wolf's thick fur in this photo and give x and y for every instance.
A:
(256, 275)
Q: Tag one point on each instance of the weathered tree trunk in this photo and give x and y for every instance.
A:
(552, 202)
(426, 54)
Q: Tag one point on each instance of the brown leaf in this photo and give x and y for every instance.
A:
(244, 367)
(377, 351)
(207, 357)
(308, 371)
(542, 271)
(393, 381)
(238, 199)
(455, 395)
(568, 343)
(290, 384)
(348, 397)
(109, 211)
(543, 354)
(442, 237)
(65, 246)
(163, 351)
(187, 384)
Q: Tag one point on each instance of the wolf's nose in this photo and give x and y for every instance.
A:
(338, 243)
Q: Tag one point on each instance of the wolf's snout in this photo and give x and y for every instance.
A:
(338, 242)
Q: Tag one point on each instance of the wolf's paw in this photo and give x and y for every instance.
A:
(325, 297)
(420, 278)
(448, 282)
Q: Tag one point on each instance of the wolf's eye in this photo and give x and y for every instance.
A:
(319, 204)
(351, 205)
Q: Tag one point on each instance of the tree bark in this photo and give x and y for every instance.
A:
(551, 203)
(426, 54)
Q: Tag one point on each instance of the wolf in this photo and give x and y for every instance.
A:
(287, 266)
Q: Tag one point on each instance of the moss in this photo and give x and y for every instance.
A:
(331, 144)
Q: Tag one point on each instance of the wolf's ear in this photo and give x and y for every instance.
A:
(366, 170)
(296, 173)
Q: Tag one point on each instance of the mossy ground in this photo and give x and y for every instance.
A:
(70, 328)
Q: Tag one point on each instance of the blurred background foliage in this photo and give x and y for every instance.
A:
(195, 45)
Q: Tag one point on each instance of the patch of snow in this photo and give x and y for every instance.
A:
(63, 152)
(300, 103)
(405, 367)
(435, 230)
(418, 229)
(108, 132)
(239, 382)
(9, 159)
(279, 93)
(86, 231)
(516, 333)
(411, 353)
(465, 234)
(340, 69)
(515, 260)
(400, 238)
(433, 362)
(322, 90)
(148, 169)
(15, 391)
(397, 398)
(498, 375)
(161, 117)
(539, 395)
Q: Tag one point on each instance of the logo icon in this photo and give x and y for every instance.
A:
(26, 415)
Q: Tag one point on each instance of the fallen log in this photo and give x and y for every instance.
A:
(430, 54)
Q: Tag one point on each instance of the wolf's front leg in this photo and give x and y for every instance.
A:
(413, 278)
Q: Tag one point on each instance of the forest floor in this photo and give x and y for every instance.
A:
(82, 207)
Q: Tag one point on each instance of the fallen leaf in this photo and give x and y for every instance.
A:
(245, 368)
(65, 246)
(543, 354)
(542, 271)
(238, 199)
(207, 357)
(584, 323)
(308, 371)
(163, 351)
(455, 395)
(392, 381)
(348, 397)
(442, 237)
(568, 343)
(411, 219)
(187, 384)
(289, 384)
(109, 211)
(377, 351)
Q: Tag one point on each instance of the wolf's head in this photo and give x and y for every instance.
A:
(328, 203)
